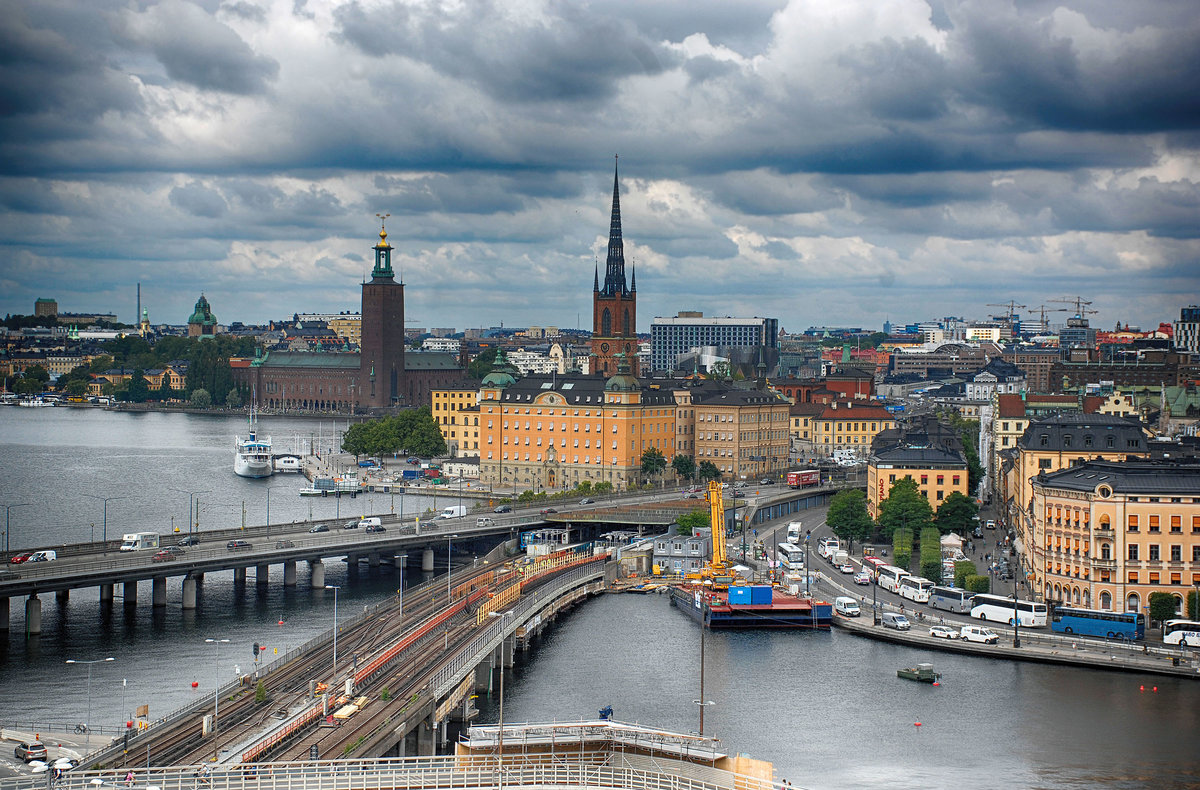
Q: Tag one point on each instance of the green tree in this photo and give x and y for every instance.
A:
(356, 439)
(603, 487)
(260, 692)
(77, 387)
(848, 517)
(968, 433)
(684, 466)
(200, 399)
(1162, 606)
(482, 364)
(689, 523)
(653, 462)
(37, 373)
(708, 471)
(24, 386)
(425, 438)
(963, 569)
(100, 364)
(978, 584)
(137, 389)
(902, 542)
(234, 399)
(956, 514)
(905, 506)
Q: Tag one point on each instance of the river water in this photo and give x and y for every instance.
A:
(826, 709)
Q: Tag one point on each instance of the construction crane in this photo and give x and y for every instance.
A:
(1012, 306)
(717, 572)
(1079, 302)
(1042, 310)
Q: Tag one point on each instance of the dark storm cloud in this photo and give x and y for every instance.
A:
(569, 54)
(197, 49)
(198, 200)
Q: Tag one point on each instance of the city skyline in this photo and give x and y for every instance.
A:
(825, 163)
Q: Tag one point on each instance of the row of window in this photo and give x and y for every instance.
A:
(1154, 552)
(1154, 524)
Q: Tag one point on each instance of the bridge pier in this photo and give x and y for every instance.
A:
(239, 575)
(261, 573)
(63, 597)
(189, 593)
(33, 616)
(106, 593)
(317, 570)
(426, 740)
(373, 560)
(158, 591)
(427, 561)
(3, 614)
(289, 573)
(352, 561)
(130, 593)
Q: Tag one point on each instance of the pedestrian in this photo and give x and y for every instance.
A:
(129, 779)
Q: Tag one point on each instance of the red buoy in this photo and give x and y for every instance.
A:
(1141, 688)
(917, 724)
(195, 684)
(936, 683)
(1156, 689)
(281, 622)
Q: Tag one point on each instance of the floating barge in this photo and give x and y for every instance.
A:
(752, 606)
(922, 673)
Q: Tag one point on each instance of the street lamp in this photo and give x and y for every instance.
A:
(335, 589)
(106, 500)
(1016, 616)
(6, 529)
(448, 549)
(500, 728)
(807, 567)
(702, 703)
(216, 643)
(191, 518)
(87, 724)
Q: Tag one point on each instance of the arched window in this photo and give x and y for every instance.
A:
(1133, 603)
(1075, 595)
(1179, 605)
(1106, 600)
(1087, 599)
(1105, 551)
(606, 323)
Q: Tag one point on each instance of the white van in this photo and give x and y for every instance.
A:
(48, 555)
(454, 511)
(979, 633)
(846, 606)
(793, 532)
(138, 541)
(897, 621)
(368, 523)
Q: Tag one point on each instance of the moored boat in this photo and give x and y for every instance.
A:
(922, 673)
(252, 455)
(741, 607)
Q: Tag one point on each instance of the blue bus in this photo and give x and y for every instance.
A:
(1095, 622)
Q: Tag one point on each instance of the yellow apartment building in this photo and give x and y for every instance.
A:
(846, 426)
(455, 412)
(938, 471)
(1105, 535)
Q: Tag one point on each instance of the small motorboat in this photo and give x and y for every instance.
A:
(922, 673)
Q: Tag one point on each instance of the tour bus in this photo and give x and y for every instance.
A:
(888, 577)
(915, 588)
(827, 546)
(1097, 622)
(1185, 633)
(950, 599)
(999, 609)
(790, 556)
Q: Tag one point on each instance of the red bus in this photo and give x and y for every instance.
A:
(804, 478)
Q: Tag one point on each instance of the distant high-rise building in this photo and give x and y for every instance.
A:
(670, 337)
(1187, 330)
(1077, 334)
(45, 307)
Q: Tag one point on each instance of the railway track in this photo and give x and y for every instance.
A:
(287, 686)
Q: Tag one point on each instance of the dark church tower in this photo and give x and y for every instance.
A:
(614, 306)
(381, 368)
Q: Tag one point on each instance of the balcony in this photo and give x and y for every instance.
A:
(1104, 533)
(1105, 565)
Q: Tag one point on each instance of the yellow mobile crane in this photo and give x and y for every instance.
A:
(717, 572)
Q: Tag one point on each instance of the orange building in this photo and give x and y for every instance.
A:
(1106, 535)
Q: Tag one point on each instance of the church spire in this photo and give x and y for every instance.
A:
(633, 278)
(596, 279)
(614, 268)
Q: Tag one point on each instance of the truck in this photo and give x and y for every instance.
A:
(839, 557)
(139, 541)
(454, 511)
(793, 532)
(804, 478)
(827, 546)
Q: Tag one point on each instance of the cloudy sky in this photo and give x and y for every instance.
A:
(823, 161)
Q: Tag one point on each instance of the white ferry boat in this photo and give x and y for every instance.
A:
(252, 455)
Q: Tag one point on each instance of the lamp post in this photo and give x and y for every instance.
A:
(1016, 616)
(191, 516)
(106, 500)
(874, 599)
(335, 589)
(702, 703)
(807, 568)
(216, 643)
(87, 724)
(448, 549)
(7, 508)
(500, 728)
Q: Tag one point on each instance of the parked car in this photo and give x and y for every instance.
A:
(862, 577)
(376, 528)
(31, 750)
(188, 540)
(502, 509)
(162, 556)
(546, 510)
(284, 544)
(991, 523)
(896, 621)
(24, 556)
(319, 528)
(414, 461)
(943, 632)
(766, 482)
(587, 501)
(235, 545)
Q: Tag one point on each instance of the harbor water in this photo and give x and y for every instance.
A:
(825, 708)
